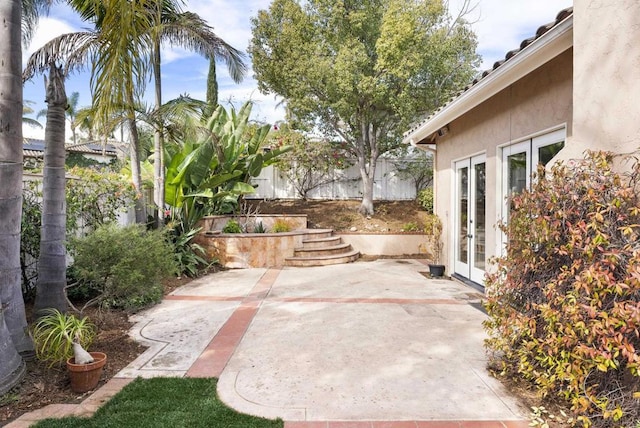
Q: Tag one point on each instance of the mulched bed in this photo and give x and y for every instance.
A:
(42, 385)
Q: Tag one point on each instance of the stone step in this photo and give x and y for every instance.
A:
(322, 242)
(323, 251)
(335, 259)
(311, 234)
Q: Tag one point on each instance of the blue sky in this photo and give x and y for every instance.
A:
(500, 25)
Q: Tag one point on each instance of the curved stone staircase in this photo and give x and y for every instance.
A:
(320, 247)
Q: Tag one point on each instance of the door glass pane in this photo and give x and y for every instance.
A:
(479, 216)
(463, 206)
(546, 153)
(517, 180)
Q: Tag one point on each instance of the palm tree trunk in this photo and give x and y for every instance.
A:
(158, 143)
(52, 262)
(136, 177)
(13, 321)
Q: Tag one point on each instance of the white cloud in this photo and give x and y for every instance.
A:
(230, 19)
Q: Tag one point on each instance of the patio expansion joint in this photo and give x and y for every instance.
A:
(303, 410)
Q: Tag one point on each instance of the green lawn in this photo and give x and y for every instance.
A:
(165, 402)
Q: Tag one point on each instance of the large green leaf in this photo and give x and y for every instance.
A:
(243, 188)
(258, 138)
(201, 163)
(271, 155)
(256, 164)
(220, 179)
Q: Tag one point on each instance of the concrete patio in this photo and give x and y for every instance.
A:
(366, 344)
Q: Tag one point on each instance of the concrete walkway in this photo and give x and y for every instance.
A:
(366, 344)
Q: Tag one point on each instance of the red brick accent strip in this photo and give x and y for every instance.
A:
(369, 300)
(408, 424)
(217, 354)
(204, 298)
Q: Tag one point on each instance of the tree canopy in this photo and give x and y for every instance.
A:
(362, 70)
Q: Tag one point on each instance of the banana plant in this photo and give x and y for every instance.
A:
(217, 170)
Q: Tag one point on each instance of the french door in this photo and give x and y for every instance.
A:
(470, 218)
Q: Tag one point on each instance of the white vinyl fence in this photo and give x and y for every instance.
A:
(347, 184)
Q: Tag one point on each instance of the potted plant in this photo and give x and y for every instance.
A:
(62, 338)
(433, 229)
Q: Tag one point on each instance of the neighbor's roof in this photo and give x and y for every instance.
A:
(34, 148)
(549, 41)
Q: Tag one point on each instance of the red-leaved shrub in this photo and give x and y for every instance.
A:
(564, 302)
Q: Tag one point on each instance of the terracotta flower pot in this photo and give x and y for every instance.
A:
(85, 377)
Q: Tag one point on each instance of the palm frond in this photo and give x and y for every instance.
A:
(71, 50)
(31, 11)
(191, 32)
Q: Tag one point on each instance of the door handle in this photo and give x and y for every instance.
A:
(469, 236)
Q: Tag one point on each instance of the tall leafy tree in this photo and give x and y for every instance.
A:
(52, 266)
(361, 70)
(14, 339)
(212, 86)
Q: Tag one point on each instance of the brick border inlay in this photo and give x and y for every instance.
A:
(407, 424)
(381, 300)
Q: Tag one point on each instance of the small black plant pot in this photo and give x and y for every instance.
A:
(436, 271)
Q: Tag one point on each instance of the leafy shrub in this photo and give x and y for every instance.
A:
(30, 237)
(125, 263)
(411, 226)
(95, 197)
(54, 332)
(281, 226)
(425, 199)
(564, 303)
(80, 290)
(232, 226)
(433, 229)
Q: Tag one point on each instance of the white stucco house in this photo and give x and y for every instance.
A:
(571, 87)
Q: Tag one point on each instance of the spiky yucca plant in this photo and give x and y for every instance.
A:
(55, 332)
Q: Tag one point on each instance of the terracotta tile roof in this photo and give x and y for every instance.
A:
(561, 16)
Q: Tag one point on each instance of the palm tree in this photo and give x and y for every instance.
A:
(28, 110)
(188, 30)
(52, 277)
(124, 45)
(115, 49)
(84, 121)
(14, 339)
(71, 113)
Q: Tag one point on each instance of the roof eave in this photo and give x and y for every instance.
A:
(542, 50)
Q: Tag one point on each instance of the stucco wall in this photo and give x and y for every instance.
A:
(606, 83)
(540, 101)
